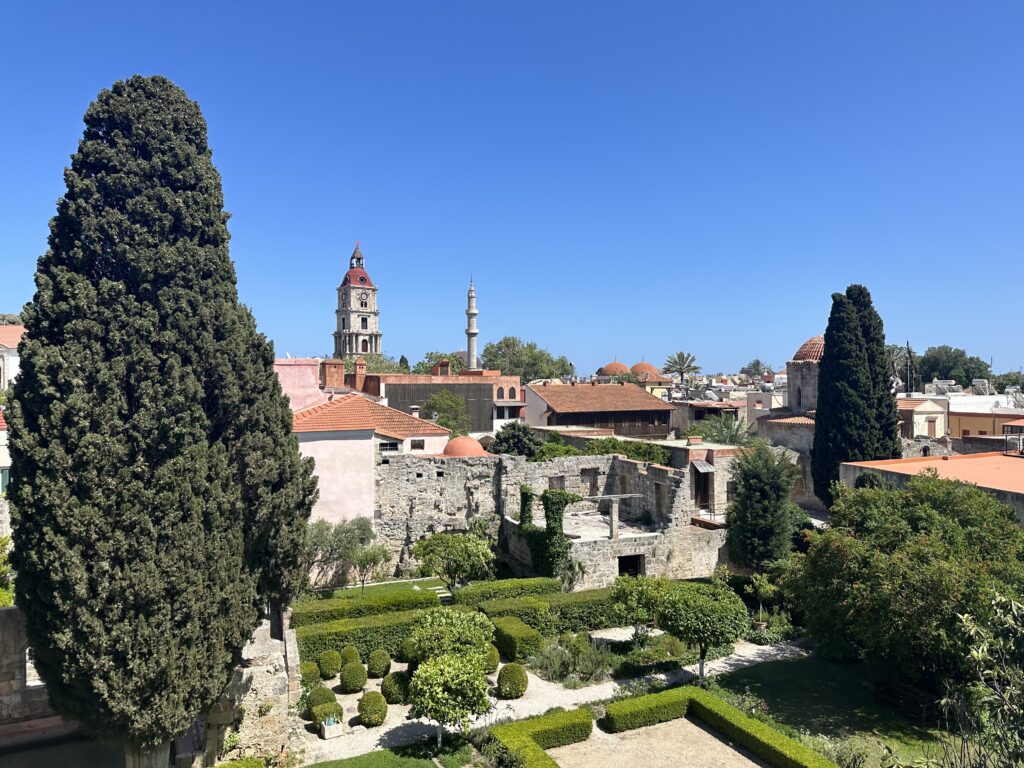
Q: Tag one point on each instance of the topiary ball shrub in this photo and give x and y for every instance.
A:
(491, 659)
(512, 681)
(352, 677)
(329, 663)
(408, 651)
(373, 708)
(310, 672)
(324, 711)
(318, 696)
(350, 654)
(378, 663)
(395, 687)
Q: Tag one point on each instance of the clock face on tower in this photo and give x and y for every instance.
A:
(363, 296)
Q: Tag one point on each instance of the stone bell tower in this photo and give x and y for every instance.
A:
(358, 318)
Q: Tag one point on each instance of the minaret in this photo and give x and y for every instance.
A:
(471, 331)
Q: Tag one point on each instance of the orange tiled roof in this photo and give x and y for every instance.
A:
(812, 349)
(792, 421)
(3, 422)
(909, 403)
(598, 398)
(10, 335)
(354, 412)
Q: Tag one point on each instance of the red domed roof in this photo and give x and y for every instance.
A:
(642, 367)
(464, 446)
(812, 349)
(357, 276)
(612, 369)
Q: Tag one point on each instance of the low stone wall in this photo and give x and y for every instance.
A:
(19, 700)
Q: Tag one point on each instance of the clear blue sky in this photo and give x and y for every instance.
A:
(623, 180)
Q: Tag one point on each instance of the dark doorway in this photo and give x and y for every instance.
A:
(631, 565)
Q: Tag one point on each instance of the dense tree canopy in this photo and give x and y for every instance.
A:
(375, 363)
(890, 577)
(515, 357)
(455, 557)
(946, 362)
(448, 410)
(517, 439)
(430, 359)
(702, 615)
(885, 438)
(157, 490)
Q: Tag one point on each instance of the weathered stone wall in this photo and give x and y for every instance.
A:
(5, 517)
(19, 700)
(802, 385)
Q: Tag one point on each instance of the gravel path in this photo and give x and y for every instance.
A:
(541, 695)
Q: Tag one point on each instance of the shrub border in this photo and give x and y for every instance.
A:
(531, 737)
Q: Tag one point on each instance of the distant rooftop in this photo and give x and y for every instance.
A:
(998, 471)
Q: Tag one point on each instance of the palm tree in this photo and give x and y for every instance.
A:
(724, 430)
(755, 367)
(682, 364)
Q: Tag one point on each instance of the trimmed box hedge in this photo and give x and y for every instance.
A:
(770, 745)
(474, 594)
(582, 611)
(532, 610)
(515, 639)
(531, 737)
(367, 633)
(322, 611)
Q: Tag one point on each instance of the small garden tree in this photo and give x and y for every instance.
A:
(448, 410)
(517, 439)
(455, 557)
(762, 519)
(367, 559)
(327, 549)
(449, 690)
(761, 589)
(637, 599)
(702, 615)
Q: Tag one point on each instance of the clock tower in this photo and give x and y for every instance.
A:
(358, 331)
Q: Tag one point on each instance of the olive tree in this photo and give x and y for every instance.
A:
(702, 615)
(455, 557)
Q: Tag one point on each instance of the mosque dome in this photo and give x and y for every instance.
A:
(641, 368)
(613, 369)
(464, 446)
(811, 350)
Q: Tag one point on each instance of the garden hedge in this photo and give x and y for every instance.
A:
(323, 711)
(321, 611)
(581, 611)
(329, 663)
(532, 610)
(770, 745)
(515, 639)
(352, 677)
(366, 633)
(378, 664)
(395, 687)
(474, 594)
(310, 672)
(492, 658)
(531, 737)
(373, 709)
(319, 695)
(350, 654)
(512, 681)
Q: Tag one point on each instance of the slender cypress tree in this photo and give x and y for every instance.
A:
(885, 429)
(845, 416)
(158, 495)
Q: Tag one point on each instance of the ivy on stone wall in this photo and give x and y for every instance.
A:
(525, 505)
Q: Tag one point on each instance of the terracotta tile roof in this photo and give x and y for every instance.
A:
(812, 349)
(3, 422)
(354, 412)
(10, 335)
(909, 403)
(598, 398)
(994, 470)
(1014, 423)
(727, 405)
(395, 423)
(792, 421)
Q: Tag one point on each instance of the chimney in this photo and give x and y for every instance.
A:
(415, 411)
(360, 373)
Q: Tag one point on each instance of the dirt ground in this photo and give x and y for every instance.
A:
(676, 743)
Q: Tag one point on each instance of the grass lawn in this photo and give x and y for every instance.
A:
(386, 588)
(455, 753)
(830, 699)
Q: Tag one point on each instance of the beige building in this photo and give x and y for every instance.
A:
(921, 418)
(10, 335)
(347, 437)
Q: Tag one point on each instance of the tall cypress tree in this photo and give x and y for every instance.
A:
(158, 495)
(845, 417)
(885, 427)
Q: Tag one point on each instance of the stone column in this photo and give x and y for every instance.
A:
(614, 520)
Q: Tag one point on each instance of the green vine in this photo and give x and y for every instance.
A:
(525, 505)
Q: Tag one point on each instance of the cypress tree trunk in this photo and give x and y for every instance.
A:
(143, 757)
(158, 496)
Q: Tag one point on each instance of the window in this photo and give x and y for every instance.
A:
(419, 475)
(799, 397)
(366, 345)
(418, 445)
(363, 304)
(5, 478)
(385, 461)
(966, 433)
(511, 393)
(730, 491)
(387, 447)
(501, 393)
(364, 323)
(982, 431)
(440, 473)
(343, 323)
(362, 279)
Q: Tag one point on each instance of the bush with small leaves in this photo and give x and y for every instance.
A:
(373, 708)
(378, 664)
(408, 652)
(352, 677)
(329, 663)
(491, 659)
(330, 710)
(395, 687)
(310, 672)
(350, 654)
(512, 681)
(318, 696)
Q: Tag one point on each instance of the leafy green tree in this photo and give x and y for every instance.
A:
(724, 430)
(327, 549)
(703, 615)
(890, 577)
(681, 364)
(844, 425)
(403, 363)
(449, 690)
(628, 378)
(762, 589)
(6, 574)
(517, 439)
(424, 366)
(755, 367)
(455, 557)
(515, 357)
(631, 449)
(158, 495)
(365, 560)
(946, 362)
(448, 410)
(442, 631)
(1011, 379)
(636, 600)
(554, 450)
(761, 517)
(7, 318)
(885, 424)
(375, 363)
